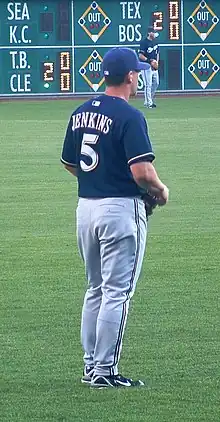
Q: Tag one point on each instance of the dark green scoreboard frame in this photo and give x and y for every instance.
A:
(56, 47)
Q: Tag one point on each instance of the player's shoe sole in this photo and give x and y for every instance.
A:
(116, 381)
(87, 375)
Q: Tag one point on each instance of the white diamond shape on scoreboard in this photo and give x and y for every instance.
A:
(203, 35)
(95, 87)
(203, 84)
(203, 4)
(191, 68)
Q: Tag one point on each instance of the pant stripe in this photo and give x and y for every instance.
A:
(144, 77)
(136, 211)
(120, 335)
(124, 310)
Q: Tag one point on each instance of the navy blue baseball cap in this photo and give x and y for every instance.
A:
(151, 29)
(121, 61)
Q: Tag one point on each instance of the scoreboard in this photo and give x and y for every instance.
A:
(51, 47)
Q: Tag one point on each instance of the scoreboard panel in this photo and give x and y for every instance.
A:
(37, 71)
(125, 22)
(56, 47)
(35, 23)
(201, 21)
(90, 60)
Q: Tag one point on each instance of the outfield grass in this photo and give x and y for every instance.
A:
(172, 337)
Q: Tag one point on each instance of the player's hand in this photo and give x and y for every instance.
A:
(163, 196)
(154, 64)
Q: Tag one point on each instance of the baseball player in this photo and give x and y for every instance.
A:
(107, 148)
(149, 53)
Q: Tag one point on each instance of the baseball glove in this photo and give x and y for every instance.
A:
(150, 202)
(154, 64)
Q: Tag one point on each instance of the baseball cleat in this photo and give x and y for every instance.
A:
(87, 374)
(116, 381)
(154, 105)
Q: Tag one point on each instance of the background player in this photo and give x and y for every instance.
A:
(149, 52)
(107, 147)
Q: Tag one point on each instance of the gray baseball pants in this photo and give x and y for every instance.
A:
(151, 82)
(111, 235)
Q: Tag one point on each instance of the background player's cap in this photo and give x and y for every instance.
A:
(151, 29)
(120, 61)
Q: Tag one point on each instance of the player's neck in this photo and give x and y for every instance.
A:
(115, 91)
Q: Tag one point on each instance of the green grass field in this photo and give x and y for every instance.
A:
(173, 331)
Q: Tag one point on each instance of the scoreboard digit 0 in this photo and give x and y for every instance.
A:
(56, 47)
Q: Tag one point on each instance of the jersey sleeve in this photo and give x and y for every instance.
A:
(68, 155)
(142, 49)
(137, 144)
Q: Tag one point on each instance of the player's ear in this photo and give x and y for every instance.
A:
(129, 77)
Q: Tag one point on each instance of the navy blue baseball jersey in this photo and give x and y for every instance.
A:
(149, 48)
(104, 137)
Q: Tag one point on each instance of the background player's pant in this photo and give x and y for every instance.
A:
(111, 237)
(151, 82)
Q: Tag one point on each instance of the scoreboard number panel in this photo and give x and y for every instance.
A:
(35, 23)
(58, 72)
(56, 47)
(37, 71)
(159, 18)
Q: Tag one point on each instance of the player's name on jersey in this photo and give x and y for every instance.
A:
(97, 121)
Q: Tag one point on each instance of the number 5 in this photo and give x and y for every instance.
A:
(88, 151)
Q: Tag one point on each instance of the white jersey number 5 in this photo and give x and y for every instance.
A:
(89, 139)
